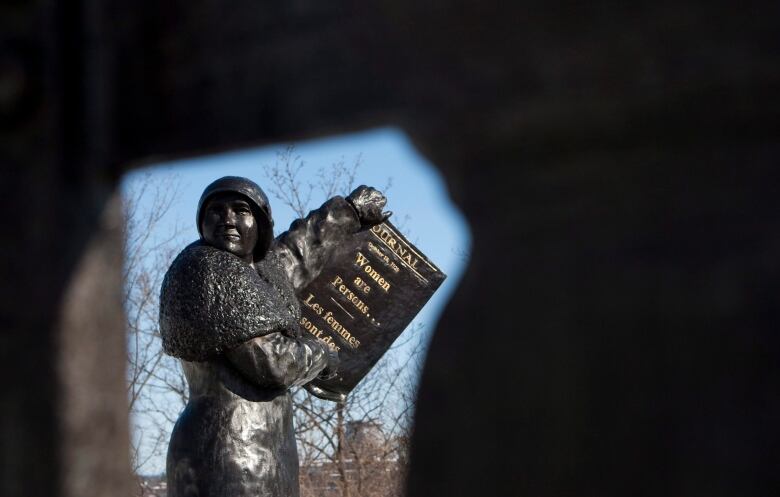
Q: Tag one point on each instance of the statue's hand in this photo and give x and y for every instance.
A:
(333, 365)
(293, 332)
(369, 202)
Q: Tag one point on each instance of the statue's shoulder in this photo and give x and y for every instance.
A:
(200, 270)
(199, 257)
(273, 269)
(198, 251)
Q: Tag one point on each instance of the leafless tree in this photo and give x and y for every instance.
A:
(155, 386)
(359, 447)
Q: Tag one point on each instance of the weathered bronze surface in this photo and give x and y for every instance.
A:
(374, 285)
(228, 310)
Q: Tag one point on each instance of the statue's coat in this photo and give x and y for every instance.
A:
(212, 301)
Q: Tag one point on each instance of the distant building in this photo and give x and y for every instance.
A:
(153, 486)
(370, 466)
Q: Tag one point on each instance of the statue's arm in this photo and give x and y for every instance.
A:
(279, 361)
(305, 248)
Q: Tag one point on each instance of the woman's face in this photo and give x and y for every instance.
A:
(228, 224)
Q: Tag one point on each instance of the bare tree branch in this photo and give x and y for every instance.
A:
(149, 249)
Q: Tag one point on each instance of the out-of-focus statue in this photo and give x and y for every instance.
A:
(228, 310)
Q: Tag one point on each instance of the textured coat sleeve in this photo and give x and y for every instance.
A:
(277, 361)
(304, 249)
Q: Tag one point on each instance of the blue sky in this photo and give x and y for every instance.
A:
(417, 196)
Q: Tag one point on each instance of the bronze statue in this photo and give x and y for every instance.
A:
(229, 311)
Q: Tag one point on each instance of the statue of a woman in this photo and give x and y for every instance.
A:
(228, 310)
